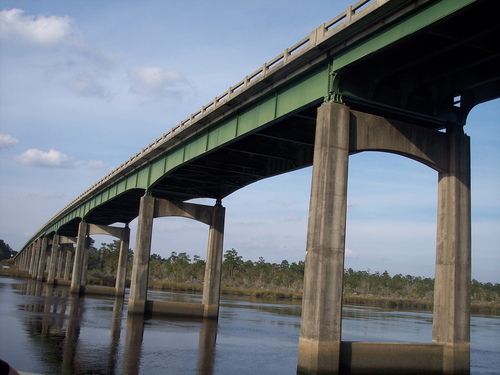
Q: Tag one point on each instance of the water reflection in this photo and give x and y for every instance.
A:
(75, 311)
(50, 331)
(116, 327)
(133, 345)
(206, 356)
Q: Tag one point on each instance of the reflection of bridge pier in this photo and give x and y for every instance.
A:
(133, 344)
(206, 346)
(116, 327)
(72, 334)
(134, 341)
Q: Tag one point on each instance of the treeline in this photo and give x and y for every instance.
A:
(286, 277)
(6, 251)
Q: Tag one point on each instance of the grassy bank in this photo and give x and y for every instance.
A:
(478, 307)
(399, 303)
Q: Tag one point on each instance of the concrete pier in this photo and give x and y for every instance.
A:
(42, 259)
(213, 267)
(339, 132)
(124, 235)
(320, 333)
(451, 325)
(140, 268)
(68, 263)
(121, 272)
(151, 208)
(54, 256)
(78, 262)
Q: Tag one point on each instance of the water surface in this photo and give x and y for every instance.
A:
(45, 330)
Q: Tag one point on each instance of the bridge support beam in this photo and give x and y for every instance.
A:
(151, 208)
(54, 256)
(122, 262)
(339, 132)
(42, 260)
(35, 258)
(320, 333)
(140, 268)
(451, 325)
(213, 267)
(78, 262)
(68, 263)
(60, 262)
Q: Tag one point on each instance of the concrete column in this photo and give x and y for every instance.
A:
(31, 258)
(140, 268)
(60, 262)
(76, 279)
(34, 258)
(451, 325)
(213, 268)
(320, 333)
(85, 265)
(27, 258)
(69, 261)
(21, 260)
(121, 272)
(42, 259)
(54, 255)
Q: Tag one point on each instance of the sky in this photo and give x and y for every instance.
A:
(84, 85)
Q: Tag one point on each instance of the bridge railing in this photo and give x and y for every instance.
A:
(324, 31)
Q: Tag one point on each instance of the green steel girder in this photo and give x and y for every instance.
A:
(373, 74)
(431, 77)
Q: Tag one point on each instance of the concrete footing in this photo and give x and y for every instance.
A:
(388, 357)
(99, 290)
(182, 309)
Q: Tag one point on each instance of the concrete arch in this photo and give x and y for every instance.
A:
(374, 133)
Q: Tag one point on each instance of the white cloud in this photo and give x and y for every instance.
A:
(7, 141)
(351, 254)
(82, 69)
(156, 82)
(41, 30)
(38, 158)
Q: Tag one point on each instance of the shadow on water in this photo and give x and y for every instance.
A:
(47, 330)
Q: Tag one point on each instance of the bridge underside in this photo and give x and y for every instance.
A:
(433, 76)
(276, 148)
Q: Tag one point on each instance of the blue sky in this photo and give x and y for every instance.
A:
(86, 84)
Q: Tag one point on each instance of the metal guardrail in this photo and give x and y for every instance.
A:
(324, 31)
(279, 61)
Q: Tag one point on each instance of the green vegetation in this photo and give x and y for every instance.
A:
(6, 251)
(277, 280)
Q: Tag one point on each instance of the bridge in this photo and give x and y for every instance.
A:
(397, 76)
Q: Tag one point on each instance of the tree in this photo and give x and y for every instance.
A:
(6, 251)
(105, 259)
(232, 261)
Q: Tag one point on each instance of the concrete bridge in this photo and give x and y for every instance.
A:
(397, 76)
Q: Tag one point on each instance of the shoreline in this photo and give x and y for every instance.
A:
(360, 300)
(400, 303)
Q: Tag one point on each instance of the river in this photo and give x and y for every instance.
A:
(45, 330)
